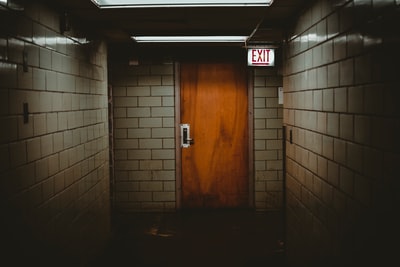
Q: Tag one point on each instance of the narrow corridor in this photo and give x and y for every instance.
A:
(91, 121)
(196, 238)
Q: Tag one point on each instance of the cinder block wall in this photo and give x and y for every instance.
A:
(268, 155)
(341, 104)
(54, 181)
(144, 137)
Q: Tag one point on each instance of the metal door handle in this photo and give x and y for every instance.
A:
(186, 141)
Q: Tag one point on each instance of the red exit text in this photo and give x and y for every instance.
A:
(261, 57)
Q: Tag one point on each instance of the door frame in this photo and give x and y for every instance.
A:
(178, 149)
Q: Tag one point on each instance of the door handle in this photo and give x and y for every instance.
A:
(186, 141)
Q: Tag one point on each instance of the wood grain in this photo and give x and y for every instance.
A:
(214, 103)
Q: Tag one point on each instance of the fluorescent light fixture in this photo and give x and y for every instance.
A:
(190, 39)
(11, 5)
(179, 3)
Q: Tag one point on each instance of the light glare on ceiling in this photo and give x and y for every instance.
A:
(179, 3)
(190, 39)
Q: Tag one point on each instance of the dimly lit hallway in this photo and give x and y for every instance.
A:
(196, 238)
(90, 126)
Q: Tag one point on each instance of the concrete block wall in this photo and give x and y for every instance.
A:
(54, 181)
(268, 153)
(144, 137)
(341, 95)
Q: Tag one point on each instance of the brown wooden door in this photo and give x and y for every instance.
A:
(215, 168)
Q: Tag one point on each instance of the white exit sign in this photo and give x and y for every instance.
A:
(261, 57)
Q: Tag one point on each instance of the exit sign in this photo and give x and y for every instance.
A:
(261, 57)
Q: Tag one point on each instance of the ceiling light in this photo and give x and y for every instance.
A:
(11, 5)
(190, 39)
(179, 3)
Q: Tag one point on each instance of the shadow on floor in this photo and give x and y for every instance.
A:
(196, 238)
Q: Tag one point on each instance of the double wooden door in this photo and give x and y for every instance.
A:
(215, 168)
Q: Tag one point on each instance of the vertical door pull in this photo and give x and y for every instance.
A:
(186, 141)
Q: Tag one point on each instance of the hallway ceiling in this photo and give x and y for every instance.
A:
(267, 24)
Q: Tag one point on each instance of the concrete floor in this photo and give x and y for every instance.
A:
(196, 238)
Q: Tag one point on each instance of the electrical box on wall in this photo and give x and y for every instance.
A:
(280, 95)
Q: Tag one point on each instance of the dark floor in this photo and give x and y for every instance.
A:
(196, 238)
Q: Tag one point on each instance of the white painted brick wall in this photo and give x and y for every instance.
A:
(145, 145)
(267, 143)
